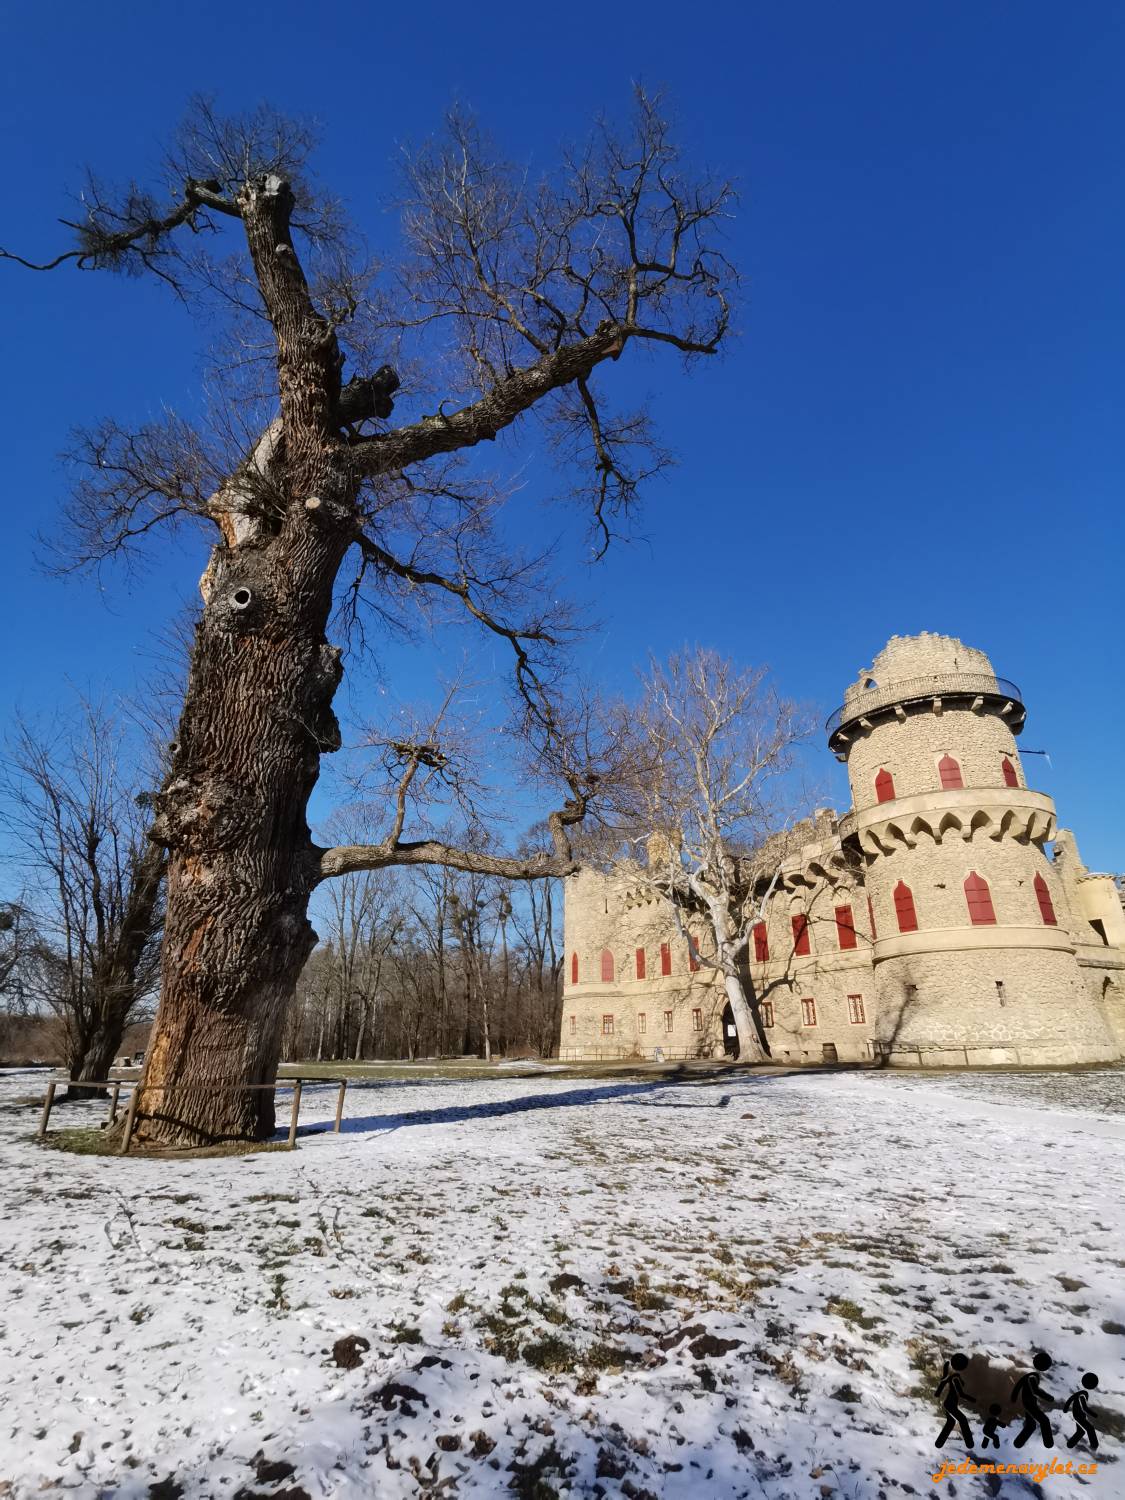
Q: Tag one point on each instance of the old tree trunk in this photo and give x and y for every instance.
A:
(565, 282)
(256, 718)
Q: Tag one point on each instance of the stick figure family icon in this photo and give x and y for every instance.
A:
(1027, 1395)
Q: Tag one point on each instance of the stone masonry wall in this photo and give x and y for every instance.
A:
(1020, 991)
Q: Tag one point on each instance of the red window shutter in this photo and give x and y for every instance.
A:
(979, 898)
(904, 908)
(800, 933)
(884, 787)
(845, 927)
(1010, 777)
(1046, 905)
(692, 955)
(665, 959)
(574, 968)
(607, 966)
(871, 917)
(761, 943)
(640, 963)
(950, 773)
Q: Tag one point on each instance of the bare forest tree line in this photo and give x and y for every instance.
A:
(430, 964)
(80, 945)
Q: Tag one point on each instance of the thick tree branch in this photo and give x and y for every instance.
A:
(100, 246)
(480, 421)
(348, 858)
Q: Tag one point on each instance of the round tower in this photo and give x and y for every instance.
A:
(973, 961)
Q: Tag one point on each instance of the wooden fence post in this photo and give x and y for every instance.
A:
(130, 1118)
(340, 1104)
(46, 1115)
(113, 1102)
(296, 1112)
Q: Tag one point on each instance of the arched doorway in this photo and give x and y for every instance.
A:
(730, 1033)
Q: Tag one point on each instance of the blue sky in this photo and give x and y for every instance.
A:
(918, 426)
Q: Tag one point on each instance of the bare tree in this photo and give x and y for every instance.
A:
(70, 798)
(710, 808)
(508, 298)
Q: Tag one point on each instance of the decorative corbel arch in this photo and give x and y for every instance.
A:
(980, 822)
(949, 821)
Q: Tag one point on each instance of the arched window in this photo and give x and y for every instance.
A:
(884, 787)
(904, 908)
(665, 959)
(979, 898)
(607, 966)
(871, 918)
(1010, 777)
(950, 773)
(1046, 905)
(574, 968)
(761, 943)
(800, 924)
(845, 927)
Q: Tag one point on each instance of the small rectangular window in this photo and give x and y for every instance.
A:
(667, 1020)
(640, 963)
(855, 1010)
(808, 1012)
(800, 932)
(1001, 992)
(607, 1026)
(573, 1024)
(845, 927)
(665, 959)
(697, 1020)
(767, 1012)
(761, 943)
(642, 1022)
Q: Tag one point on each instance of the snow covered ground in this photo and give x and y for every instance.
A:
(562, 1287)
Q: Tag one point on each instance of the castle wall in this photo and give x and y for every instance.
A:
(1019, 990)
(606, 913)
(911, 748)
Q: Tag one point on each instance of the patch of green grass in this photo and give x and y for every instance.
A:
(80, 1141)
(400, 1334)
(551, 1354)
(277, 1298)
(850, 1311)
(500, 1336)
(550, 1312)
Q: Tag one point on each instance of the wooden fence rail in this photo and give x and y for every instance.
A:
(114, 1084)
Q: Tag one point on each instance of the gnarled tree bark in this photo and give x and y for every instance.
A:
(513, 275)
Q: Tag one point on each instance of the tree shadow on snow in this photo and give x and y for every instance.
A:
(491, 1109)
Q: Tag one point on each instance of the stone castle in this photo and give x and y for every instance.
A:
(930, 925)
